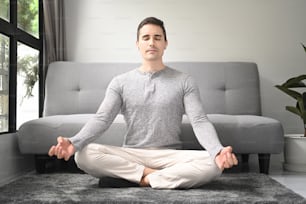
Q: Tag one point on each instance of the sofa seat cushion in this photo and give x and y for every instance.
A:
(245, 133)
(37, 136)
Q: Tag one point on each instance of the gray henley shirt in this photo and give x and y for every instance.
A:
(152, 105)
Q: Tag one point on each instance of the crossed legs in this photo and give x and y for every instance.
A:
(162, 168)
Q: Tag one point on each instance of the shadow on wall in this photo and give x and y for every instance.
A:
(13, 164)
(273, 104)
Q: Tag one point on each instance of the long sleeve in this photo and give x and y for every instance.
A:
(101, 121)
(202, 127)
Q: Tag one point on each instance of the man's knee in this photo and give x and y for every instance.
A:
(78, 158)
(211, 172)
(85, 157)
(205, 175)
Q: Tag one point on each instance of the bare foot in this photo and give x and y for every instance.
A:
(148, 171)
(144, 182)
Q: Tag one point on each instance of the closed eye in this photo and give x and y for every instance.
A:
(145, 37)
(157, 37)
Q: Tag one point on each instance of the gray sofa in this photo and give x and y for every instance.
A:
(229, 90)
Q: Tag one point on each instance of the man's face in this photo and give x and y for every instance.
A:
(151, 42)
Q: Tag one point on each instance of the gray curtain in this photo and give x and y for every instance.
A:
(54, 32)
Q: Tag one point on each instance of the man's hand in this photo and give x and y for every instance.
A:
(63, 149)
(226, 158)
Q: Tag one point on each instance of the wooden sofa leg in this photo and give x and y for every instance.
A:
(44, 163)
(245, 158)
(245, 163)
(40, 164)
(264, 163)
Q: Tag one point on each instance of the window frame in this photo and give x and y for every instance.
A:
(10, 29)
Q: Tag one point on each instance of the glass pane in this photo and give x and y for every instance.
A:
(27, 84)
(4, 82)
(5, 9)
(27, 15)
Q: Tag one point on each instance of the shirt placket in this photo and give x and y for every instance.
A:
(149, 86)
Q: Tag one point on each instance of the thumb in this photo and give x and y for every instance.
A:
(220, 160)
(60, 139)
(227, 149)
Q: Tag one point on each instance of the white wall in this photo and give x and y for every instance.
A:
(268, 32)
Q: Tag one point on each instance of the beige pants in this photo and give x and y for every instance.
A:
(176, 168)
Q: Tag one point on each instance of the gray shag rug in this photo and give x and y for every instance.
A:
(82, 188)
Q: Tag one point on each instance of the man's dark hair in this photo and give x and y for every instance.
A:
(154, 21)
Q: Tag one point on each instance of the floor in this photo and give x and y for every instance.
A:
(293, 180)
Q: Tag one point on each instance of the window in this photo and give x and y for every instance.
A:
(5, 10)
(27, 86)
(4, 82)
(27, 16)
(20, 62)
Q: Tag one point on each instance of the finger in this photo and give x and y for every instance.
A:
(235, 159)
(59, 145)
(66, 157)
(58, 150)
(227, 165)
(229, 159)
(51, 151)
(60, 153)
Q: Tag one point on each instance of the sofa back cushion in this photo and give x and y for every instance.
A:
(226, 87)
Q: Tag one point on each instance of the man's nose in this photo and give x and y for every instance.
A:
(151, 42)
